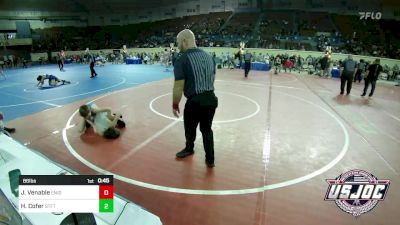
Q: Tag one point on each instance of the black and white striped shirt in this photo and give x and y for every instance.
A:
(197, 68)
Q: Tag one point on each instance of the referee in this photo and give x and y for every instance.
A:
(194, 74)
(347, 76)
(247, 63)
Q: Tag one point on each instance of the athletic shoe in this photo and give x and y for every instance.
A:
(184, 153)
(9, 130)
(210, 164)
(121, 124)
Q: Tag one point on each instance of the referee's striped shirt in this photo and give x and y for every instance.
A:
(197, 68)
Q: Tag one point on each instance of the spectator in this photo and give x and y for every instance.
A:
(278, 65)
(373, 74)
(360, 71)
(325, 65)
(288, 65)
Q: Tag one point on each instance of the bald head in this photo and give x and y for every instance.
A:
(186, 40)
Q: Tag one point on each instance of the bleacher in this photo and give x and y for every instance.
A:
(275, 22)
(293, 27)
(308, 23)
(241, 24)
(211, 23)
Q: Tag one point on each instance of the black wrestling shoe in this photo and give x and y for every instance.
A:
(210, 164)
(9, 130)
(363, 95)
(184, 153)
(121, 124)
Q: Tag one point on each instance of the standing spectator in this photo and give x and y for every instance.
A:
(266, 58)
(194, 76)
(288, 65)
(298, 63)
(277, 63)
(309, 60)
(231, 61)
(373, 74)
(5, 60)
(174, 56)
(360, 70)
(24, 63)
(146, 59)
(2, 64)
(396, 73)
(325, 65)
(2, 74)
(247, 63)
(11, 60)
(224, 59)
(260, 57)
(386, 68)
(349, 69)
(240, 55)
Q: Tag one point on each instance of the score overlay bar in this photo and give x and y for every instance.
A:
(66, 193)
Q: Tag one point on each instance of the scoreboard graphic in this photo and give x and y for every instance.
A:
(66, 193)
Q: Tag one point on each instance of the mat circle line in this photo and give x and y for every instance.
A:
(215, 192)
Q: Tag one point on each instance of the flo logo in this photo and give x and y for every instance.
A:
(372, 15)
(357, 191)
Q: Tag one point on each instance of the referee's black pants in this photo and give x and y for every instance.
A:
(346, 77)
(247, 66)
(200, 109)
(60, 64)
(92, 71)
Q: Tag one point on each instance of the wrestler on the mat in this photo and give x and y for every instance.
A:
(53, 80)
(104, 123)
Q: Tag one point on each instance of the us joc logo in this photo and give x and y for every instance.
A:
(356, 191)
